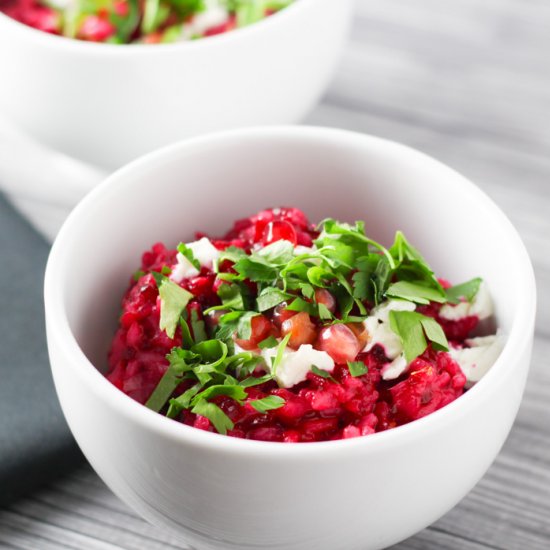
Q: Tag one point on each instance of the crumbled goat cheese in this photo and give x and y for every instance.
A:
(295, 365)
(481, 306)
(479, 357)
(203, 251)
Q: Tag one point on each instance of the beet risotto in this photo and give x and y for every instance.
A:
(285, 331)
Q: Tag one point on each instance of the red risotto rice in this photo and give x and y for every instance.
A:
(283, 331)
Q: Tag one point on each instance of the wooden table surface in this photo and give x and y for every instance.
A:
(468, 82)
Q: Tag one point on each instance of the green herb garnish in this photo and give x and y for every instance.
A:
(269, 403)
(357, 368)
(466, 290)
(173, 300)
(413, 328)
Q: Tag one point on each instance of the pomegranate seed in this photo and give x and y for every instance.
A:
(360, 333)
(277, 231)
(301, 329)
(323, 296)
(261, 329)
(281, 314)
(339, 342)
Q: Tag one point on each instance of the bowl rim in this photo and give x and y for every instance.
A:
(101, 48)
(59, 332)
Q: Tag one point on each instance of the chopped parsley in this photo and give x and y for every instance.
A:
(357, 368)
(414, 328)
(173, 300)
(358, 272)
(269, 403)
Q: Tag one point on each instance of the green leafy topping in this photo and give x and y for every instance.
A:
(234, 391)
(138, 275)
(415, 292)
(276, 361)
(219, 419)
(269, 342)
(173, 300)
(357, 368)
(186, 252)
(320, 372)
(270, 297)
(413, 328)
(255, 380)
(298, 304)
(198, 327)
(466, 290)
(183, 401)
(357, 271)
(186, 338)
(269, 403)
(171, 379)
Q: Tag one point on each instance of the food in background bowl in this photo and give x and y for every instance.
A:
(136, 21)
(283, 331)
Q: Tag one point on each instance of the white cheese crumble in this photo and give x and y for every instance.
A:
(479, 357)
(379, 332)
(482, 306)
(203, 251)
(295, 365)
(214, 14)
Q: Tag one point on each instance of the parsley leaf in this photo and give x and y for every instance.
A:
(255, 380)
(467, 290)
(269, 342)
(231, 297)
(270, 297)
(268, 403)
(219, 419)
(198, 327)
(413, 328)
(170, 380)
(435, 334)
(322, 373)
(357, 368)
(183, 401)
(276, 361)
(236, 392)
(415, 292)
(173, 300)
(186, 338)
(185, 251)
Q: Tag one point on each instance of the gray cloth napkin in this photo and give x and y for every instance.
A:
(35, 442)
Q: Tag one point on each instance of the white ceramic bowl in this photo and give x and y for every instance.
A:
(103, 105)
(221, 492)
